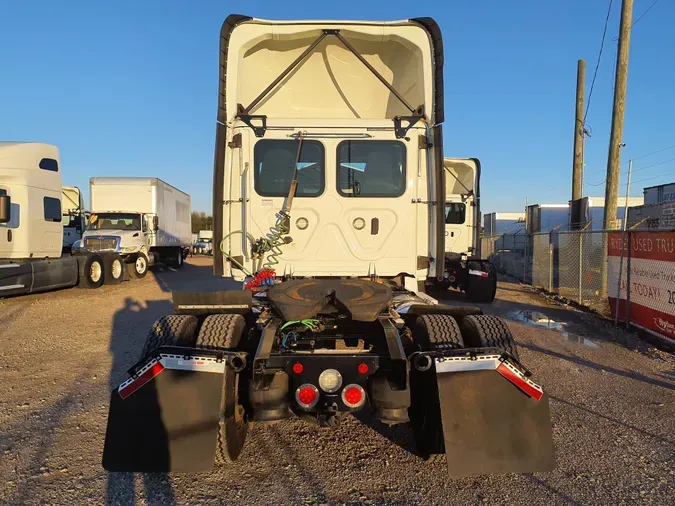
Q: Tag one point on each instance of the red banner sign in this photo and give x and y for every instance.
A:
(652, 279)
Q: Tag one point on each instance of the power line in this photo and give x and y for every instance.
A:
(639, 17)
(654, 177)
(597, 65)
(638, 170)
(636, 158)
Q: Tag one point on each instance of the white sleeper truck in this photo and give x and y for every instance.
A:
(464, 269)
(142, 219)
(331, 206)
(32, 226)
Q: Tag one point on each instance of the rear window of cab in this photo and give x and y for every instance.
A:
(275, 165)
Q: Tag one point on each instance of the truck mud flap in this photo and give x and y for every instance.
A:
(495, 420)
(165, 417)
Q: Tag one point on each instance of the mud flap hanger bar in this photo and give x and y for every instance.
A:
(479, 359)
(236, 359)
(244, 113)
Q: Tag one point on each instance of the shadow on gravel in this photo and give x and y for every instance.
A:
(614, 420)
(544, 484)
(191, 278)
(43, 424)
(597, 367)
(129, 329)
(401, 435)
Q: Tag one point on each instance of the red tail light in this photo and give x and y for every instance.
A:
(363, 368)
(298, 368)
(307, 396)
(353, 396)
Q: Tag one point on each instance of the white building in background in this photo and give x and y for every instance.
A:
(658, 211)
(547, 217)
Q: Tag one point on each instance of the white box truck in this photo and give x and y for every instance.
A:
(143, 219)
(32, 227)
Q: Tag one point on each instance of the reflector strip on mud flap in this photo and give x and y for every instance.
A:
(482, 274)
(166, 361)
(165, 418)
(490, 363)
(490, 427)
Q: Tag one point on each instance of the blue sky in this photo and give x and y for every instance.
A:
(129, 87)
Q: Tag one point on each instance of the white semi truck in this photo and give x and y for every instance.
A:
(142, 219)
(330, 202)
(32, 226)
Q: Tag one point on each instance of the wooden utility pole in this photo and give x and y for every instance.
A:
(577, 163)
(615, 141)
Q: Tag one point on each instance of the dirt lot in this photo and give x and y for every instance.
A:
(612, 403)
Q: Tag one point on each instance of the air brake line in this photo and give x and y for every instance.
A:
(274, 239)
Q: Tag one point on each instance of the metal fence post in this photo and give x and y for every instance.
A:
(550, 264)
(581, 266)
(627, 305)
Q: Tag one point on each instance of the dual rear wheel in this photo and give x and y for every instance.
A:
(217, 332)
(443, 332)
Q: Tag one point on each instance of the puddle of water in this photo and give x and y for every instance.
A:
(541, 320)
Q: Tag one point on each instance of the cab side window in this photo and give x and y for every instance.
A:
(49, 164)
(52, 209)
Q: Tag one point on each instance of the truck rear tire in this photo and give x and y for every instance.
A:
(223, 332)
(113, 267)
(92, 272)
(139, 267)
(433, 332)
(171, 330)
(487, 331)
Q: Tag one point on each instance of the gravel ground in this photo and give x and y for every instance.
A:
(612, 404)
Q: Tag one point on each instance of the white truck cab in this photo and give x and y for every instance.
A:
(329, 154)
(32, 225)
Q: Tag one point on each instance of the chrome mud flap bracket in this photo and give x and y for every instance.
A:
(495, 418)
(165, 416)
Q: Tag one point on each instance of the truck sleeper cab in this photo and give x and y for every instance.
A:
(31, 225)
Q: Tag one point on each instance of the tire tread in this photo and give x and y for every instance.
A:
(488, 331)
(171, 330)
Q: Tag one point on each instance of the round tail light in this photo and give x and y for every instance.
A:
(363, 368)
(298, 368)
(307, 396)
(353, 396)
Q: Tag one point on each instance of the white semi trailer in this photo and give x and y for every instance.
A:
(31, 226)
(143, 219)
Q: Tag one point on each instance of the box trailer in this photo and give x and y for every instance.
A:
(143, 219)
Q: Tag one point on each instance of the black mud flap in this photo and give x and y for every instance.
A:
(166, 417)
(491, 426)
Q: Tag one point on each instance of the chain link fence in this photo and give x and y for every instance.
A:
(569, 264)
(633, 271)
